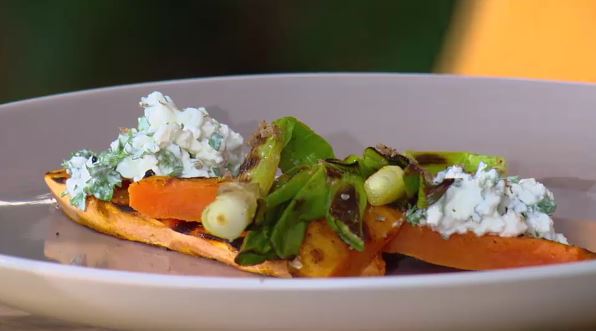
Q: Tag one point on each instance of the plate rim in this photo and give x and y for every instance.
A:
(342, 74)
(464, 278)
(146, 279)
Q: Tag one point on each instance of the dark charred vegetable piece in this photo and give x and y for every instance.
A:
(261, 163)
(346, 206)
(304, 147)
(429, 193)
(391, 155)
(434, 162)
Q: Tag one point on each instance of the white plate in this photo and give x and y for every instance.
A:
(546, 130)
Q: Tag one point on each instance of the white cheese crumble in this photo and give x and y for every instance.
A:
(167, 142)
(486, 203)
(184, 143)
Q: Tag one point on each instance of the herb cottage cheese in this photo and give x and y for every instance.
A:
(486, 203)
(167, 142)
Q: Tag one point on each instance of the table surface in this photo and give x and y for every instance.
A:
(16, 320)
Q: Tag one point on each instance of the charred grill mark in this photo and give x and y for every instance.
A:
(197, 229)
(120, 196)
(430, 158)
(264, 131)
(257, 140)
(208, 236)
(59, 175)
(333, 172)
(259, 137)
(185, 227)
(251, 161)
(399, 160)
(392, 155)
(317, 255)
(124, 208)
(386, 151)
(100, 206)
(237, 243)
(59, 180)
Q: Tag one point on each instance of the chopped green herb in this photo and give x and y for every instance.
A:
(79, 200)
(215, 141)
(414, 215)
(170, 164)
(547, 205)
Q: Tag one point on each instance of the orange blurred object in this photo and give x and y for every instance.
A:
(544, 39)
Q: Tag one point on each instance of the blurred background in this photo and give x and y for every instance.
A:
(49, 47)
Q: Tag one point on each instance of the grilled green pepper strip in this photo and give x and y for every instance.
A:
(435, 162)
(261, 163)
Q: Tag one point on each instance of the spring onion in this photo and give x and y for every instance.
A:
(385, 186)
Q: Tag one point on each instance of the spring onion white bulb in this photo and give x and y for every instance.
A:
(232, 211)
(385, 186)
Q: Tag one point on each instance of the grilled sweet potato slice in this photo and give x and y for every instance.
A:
(470, 252)
(122, 222)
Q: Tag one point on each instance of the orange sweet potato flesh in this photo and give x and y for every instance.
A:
(168, 197)
(470, 252)
(382, 224)
(324, 254)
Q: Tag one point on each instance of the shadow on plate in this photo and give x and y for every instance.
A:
(69, 243)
